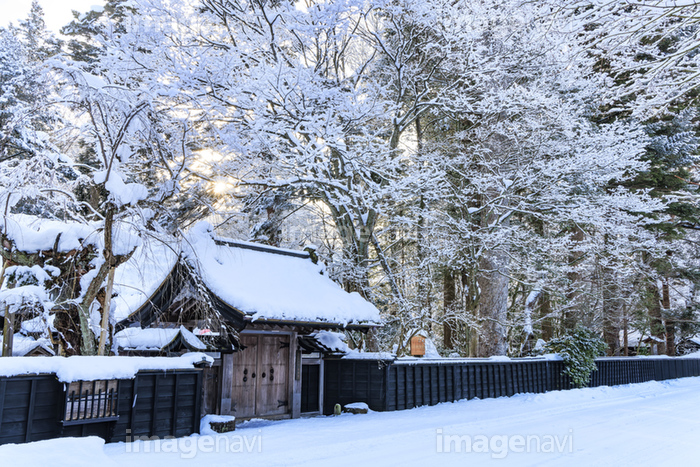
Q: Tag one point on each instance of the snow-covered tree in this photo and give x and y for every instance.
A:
(469, 167)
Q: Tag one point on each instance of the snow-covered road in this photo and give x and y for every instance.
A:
(644, 424)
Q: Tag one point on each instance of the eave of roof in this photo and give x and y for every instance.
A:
(313, 324)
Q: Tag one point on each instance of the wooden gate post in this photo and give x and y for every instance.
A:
(226, 383)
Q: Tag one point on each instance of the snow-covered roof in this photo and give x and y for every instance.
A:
(329, 342)
(84, 368)
(23, 345)
(634, 337)
(694, 340)
(276, 284)
(137, 280)
(156, 339)
(37, 325)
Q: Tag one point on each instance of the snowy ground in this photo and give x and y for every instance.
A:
(643, 424)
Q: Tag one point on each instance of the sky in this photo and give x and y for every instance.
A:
(57, 13)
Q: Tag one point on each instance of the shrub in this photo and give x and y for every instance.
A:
(579, 350)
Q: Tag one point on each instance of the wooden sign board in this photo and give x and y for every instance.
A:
(417, 345)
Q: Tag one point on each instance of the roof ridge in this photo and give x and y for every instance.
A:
(260, 247)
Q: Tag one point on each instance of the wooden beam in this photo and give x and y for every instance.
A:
(321, 384)
(294, 375)
(226, 383)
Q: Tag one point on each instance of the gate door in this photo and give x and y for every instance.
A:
(260, 376)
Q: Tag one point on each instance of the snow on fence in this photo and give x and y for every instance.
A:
(151, 403)
(388, 385)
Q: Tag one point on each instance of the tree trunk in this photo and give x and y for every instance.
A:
(656, 319)
(571, 318)
(493, 304)
(669, 324)
(611, 313)
(423, 292)
(670, 339)
(111, 262)
(470, 293)
(625, 335)
(8, 333)
(449, 306)
(106, 308)
(545, 310)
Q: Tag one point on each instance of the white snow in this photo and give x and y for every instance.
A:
(355, 355)
(32, 234)
(357, 405)
(82, 368)
(37, 325)
(530, 303)
(333, 341)
(652, 423)
(430, 349)
(74, 452)
(273, 286)
(120, 192)
(499, 358)
(93, 81)
(23, 295)
(205, 427)
(36, 272)
(155, 339)
(192, 340)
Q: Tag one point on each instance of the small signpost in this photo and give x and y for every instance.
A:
(417, 344)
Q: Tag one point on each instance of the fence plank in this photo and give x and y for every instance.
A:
(403, 386)
(3, 387)
(30, 410)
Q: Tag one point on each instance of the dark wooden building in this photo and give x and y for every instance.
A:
(256, 308)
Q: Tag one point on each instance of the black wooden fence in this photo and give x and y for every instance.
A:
(387, 385)
(33, 408)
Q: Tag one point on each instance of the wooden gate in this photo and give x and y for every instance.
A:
(260, 378)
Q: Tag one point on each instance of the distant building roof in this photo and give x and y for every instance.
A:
(24, 346)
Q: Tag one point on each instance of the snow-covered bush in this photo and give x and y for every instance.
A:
(579, 351)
